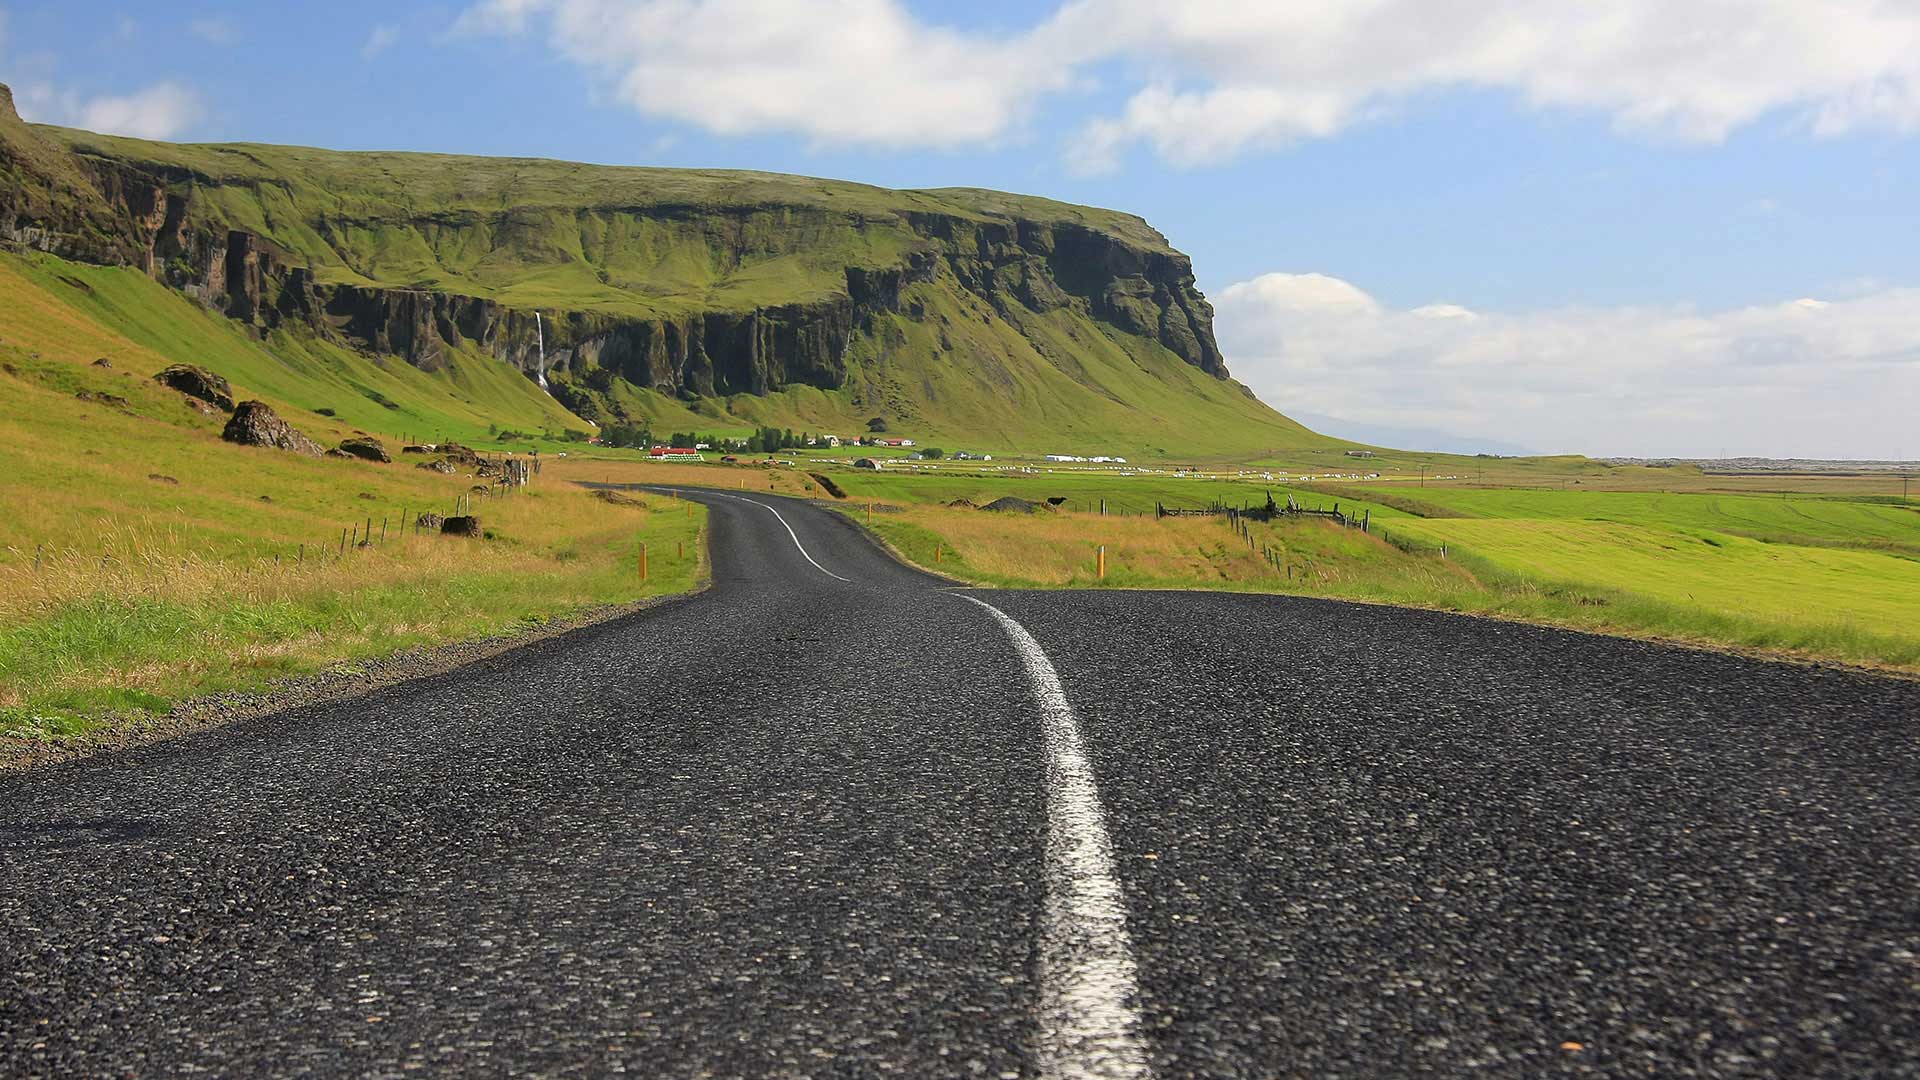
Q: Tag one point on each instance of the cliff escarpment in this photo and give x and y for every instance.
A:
(592, 279)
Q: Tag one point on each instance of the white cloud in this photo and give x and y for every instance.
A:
(1265, 73)
(161, 111)
(381, 38)
(1214, 79)
(1805, 377)
(214, 30)
(839, 71)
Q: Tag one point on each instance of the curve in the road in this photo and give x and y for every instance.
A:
(820, 820)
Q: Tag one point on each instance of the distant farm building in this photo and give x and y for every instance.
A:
(1359, 453)
(675, 453)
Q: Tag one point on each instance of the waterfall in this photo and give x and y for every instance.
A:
(540, 334)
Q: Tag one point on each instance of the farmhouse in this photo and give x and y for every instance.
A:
(676, 453)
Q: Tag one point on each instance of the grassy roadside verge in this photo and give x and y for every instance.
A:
(90, 640)
(1321, 559)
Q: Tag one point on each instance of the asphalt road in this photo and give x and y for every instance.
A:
(833, 818)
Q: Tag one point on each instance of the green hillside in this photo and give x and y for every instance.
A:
(409, 291)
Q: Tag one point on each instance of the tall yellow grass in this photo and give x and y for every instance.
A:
(150, 560)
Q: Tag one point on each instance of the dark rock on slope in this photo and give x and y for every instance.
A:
(255, 423)
(199, 383)
(366, 448)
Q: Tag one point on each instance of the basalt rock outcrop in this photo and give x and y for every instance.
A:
(198, 383)
(366, 448)
(254, 423)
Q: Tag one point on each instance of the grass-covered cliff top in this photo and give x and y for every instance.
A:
(561, 235)
(423, 184)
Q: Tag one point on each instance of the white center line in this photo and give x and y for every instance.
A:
(789, 528)
(1089, 1023)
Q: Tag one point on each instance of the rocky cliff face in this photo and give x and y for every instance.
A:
(159, 217)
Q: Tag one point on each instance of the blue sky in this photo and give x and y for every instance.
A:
(1485, 225)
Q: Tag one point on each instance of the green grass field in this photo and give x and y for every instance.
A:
(1786, 517)
(1812, 575)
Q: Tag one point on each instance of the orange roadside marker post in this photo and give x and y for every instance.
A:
(1102, 562)
(643, 562)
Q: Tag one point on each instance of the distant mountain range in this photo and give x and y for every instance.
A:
(1409, 438)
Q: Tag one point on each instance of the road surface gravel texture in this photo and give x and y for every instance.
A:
(825, 819)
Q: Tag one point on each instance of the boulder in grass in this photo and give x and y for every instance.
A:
(429, 522)
(460, 455)
(198, 383)
(464, 525)
(436, 466)
(255, 423)
(366, 448)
